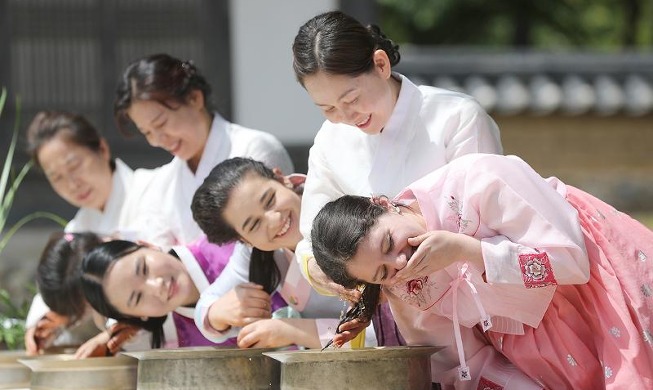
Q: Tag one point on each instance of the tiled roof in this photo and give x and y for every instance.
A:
(541, 83)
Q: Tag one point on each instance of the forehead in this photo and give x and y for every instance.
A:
(145, 111)
(59, 150)
(325, 87)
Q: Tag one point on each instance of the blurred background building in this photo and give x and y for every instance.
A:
(570, 83)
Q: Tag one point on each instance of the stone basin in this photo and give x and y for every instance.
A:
(51, 372)
(13, 375)
(381, 368)
(206, 368)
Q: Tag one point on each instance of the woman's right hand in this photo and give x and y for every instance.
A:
(243, 305)
(30, 343)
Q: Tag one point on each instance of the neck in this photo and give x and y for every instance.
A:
(205, 122)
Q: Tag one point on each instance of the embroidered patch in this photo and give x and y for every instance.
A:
(641, 256)
(457, 207)
(415, 286)
(608, 371)
(614, 331)
(571, 361)
(486, 384)
(536, 270)
(648, 338)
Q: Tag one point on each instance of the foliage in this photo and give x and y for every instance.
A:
(12, 315)
(599, 24)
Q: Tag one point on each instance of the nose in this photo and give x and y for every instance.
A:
(155, 286)
(273, 220)
(348, 115)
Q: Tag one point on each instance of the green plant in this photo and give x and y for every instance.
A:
(12, 315)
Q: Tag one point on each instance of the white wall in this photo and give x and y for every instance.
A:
(265, 92)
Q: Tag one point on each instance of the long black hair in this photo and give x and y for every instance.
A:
(338, 229)
(336, 43)
(57, 275)
(209, 203)
(94, 268)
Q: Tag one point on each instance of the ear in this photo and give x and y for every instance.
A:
(196, 99)
(105, 151)
(148, 245)
(382, 201)
(382, 64)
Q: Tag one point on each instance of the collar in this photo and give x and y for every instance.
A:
(196, 274)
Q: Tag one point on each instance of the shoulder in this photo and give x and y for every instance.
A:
(244, 135)
(448, 99)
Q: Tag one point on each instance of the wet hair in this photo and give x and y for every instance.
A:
(160, 78)
(336, 43)
(57, 275)
(47, 125)
(338, 229)
(95, 265)
(208, 207)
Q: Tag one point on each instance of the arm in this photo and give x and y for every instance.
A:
(534, 224)
(231, 300)
(476, 133)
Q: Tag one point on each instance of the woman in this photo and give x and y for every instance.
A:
(381, 131)
(559, 281)
(57, 278)
(77, 162)
(141, 285)
(168, 100)
(244, 200)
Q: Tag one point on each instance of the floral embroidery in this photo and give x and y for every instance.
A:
(415, 286)
(608, 371)
(641, 256)
(600, 215)
(571, 361)
(536, 270)
(486, 384)
(457, 207)
(646, 290)
(615, 331)
(500, 343)
(648, 338)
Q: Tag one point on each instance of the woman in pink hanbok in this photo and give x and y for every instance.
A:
(560, 282)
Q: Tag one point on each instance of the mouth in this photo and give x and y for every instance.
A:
(84, 196)
(175, 147)
(363, 124)
(284, 228)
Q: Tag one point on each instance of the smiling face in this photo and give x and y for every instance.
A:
(365, 101)
(79, 175)
(181, 130)
(385, 249)
(148, 283)
(264, 212)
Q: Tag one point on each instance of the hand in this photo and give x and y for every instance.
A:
(241, 306)
(349, 330)
(31, 347)
(323, 284)
(47, 329)
(119, 334)
(270, 333)
(95, 347)
(437, 250)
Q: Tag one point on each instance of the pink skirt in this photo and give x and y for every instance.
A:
(597, 335)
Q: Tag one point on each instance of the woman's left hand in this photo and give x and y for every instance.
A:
(437, 250)
(270, 333)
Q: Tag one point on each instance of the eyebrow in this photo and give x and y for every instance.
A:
(261, 200)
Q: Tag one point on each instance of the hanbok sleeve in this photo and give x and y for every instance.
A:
(235, 273)
(532, 235)
(476, 133)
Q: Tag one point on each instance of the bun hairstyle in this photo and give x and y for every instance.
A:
(336, 43)
(161, 78)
